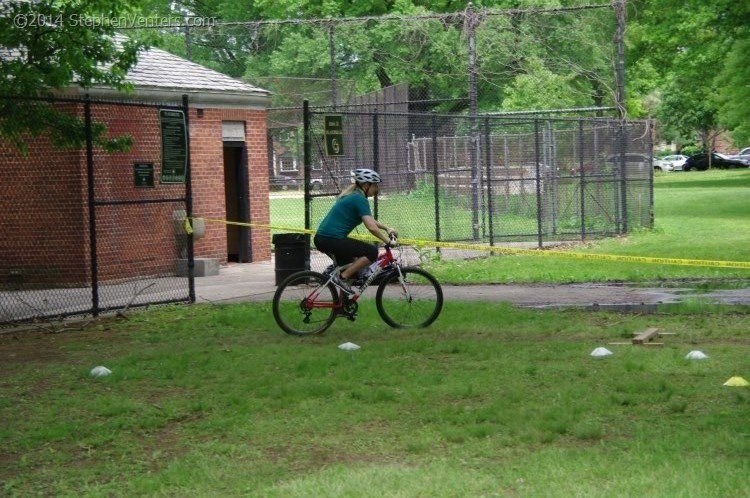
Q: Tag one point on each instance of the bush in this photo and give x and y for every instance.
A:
(689, 150)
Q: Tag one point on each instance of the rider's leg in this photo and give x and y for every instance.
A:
(359, 252)
(353, 268)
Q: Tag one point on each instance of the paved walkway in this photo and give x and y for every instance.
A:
(256, 282)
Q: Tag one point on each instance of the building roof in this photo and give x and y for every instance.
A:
(164, 77)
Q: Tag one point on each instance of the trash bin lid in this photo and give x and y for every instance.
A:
(286, 238)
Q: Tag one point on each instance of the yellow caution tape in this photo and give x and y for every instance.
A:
(514, 251)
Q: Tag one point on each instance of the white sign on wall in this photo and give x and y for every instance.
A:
(233, 131)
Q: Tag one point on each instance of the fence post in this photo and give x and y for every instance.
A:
(375, 154)
(470, 29)
(189, 201)
(307, 159)
(92, 207)
(331, 41)
(187, 41)
(537, 157)
(435, 178)
(551, 188)
(583, 181)
(620, 16)
(623, 148)
(488, 163)
(650, 135)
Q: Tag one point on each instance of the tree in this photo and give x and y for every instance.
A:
(539, 88)
(734, 94)
(424, 43)
(55, 44)
(700, 52)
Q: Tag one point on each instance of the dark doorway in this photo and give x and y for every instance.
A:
(237, 201)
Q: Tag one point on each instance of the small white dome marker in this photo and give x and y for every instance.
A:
(100, 371)
(696, 355)
(348, 346)
(601, 353)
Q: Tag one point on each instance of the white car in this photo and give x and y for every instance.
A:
(743, 155)
(661, 165)
(674, 162)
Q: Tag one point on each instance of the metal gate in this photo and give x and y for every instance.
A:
(94, 230)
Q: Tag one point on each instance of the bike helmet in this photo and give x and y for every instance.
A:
(364, 175)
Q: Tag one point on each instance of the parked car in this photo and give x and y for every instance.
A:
(635, 164)
(743, 155)
(662, 165)
(282, 183)
(700, 162)
(675, 161)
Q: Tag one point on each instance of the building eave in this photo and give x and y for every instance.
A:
(196, 97)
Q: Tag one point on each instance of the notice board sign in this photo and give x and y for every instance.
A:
(143, 174)
(173, 146)
(333, 127)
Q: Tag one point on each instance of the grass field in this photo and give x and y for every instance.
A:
(699, 215)
(490, 401)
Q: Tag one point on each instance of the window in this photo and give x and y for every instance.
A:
(287, 164)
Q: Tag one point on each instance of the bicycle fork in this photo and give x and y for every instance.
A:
(404, 287)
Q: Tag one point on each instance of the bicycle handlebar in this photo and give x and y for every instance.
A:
(393, 241)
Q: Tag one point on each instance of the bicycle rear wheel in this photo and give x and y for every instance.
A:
(415, 301)
(304, 305)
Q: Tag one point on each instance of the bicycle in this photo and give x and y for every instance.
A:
(307, 302)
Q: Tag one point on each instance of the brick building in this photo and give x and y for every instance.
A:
(44, 194)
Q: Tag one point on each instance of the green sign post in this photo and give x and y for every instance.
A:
(173, 146)
(333, 127)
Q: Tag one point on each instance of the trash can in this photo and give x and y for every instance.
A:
(292, 254)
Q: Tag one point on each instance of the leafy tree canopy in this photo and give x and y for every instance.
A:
(696, 60)
(55, 44)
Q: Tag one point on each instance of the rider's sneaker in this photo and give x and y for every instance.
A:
(337, 280)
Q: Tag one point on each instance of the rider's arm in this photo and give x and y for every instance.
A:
(375, 227)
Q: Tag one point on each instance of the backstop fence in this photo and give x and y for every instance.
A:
(492, 178)
(86, 230)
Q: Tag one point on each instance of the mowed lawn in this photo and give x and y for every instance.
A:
(698, 215)
(490, 401)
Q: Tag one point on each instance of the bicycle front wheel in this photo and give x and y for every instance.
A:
(304, 305)
(412, 299)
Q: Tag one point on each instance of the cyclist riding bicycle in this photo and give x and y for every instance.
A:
(351, 209)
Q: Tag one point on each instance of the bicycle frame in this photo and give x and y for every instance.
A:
(384, 260)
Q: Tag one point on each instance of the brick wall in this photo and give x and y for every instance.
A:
(207, 159)
(43, 197)
(43, 234)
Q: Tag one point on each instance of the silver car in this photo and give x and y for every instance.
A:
(674, 162)
(743, 155)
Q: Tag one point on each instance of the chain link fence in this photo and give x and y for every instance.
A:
(497, 179)
(90, 230)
